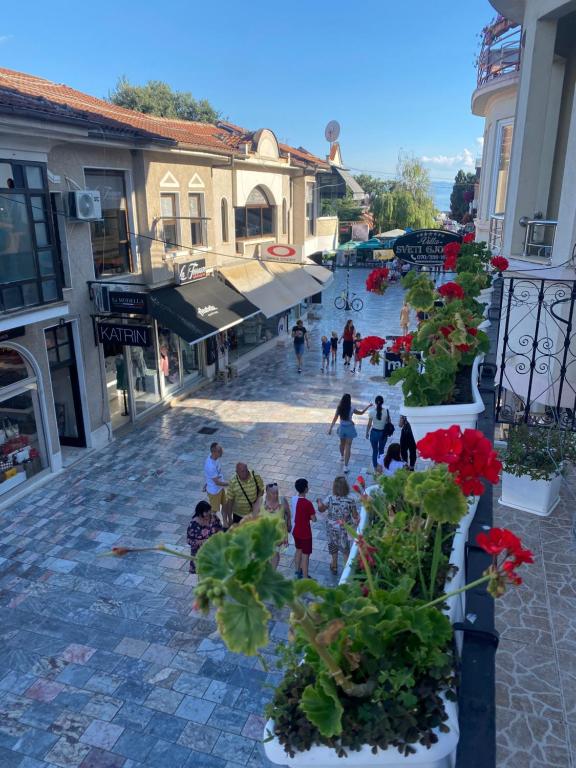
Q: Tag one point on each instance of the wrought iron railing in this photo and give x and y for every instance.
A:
(496, 233)
(539, 240)
(537, 353)
(500, 52)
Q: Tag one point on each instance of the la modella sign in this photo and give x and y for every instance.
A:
(126, 335)
(424, 247)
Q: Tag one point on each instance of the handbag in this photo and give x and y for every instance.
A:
(10, 429)
(388, 427)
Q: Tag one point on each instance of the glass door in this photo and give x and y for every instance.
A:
(65, 385)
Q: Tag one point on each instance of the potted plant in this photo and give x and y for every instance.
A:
(441, 387)
(533, 461)
(369, 671)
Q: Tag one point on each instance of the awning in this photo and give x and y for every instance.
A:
(272, 286)
(199, 309)
(357, 191)
(323, 275)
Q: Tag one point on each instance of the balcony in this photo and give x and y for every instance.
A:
(500, 51)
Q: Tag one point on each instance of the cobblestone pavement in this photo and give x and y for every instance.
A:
(103, 662)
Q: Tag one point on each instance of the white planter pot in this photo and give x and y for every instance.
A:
(440, 755)
(540, 497)
(428, 418)
(486, 298)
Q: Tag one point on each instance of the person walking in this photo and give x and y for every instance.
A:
(244, 494)
(215, 483)
(346, 429)
(347, 339)
(304, 513)
(405, 318)
(393, 460)
(204, 524)
(376, 429)
(300, 336)
(341, 511)
(334, 346)
(326, 347)
(357, 358)
(274, 505)
(407, 443)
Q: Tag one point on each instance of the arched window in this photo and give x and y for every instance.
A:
(224, 215)
(256, 218)
(13, 367)
(284, 217)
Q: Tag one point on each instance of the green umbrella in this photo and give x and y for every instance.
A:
(351, 245)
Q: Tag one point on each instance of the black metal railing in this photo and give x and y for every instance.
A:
(537, 353)
(500, 52)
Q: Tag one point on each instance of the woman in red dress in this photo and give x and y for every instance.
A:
(348, 342)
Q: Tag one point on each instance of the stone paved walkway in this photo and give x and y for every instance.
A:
(103, 662)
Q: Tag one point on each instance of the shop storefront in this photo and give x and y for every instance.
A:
(22, 447)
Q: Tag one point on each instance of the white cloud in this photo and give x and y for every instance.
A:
(464, 159)
(5, 38)
(480, 141)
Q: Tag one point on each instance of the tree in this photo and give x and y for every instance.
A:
(158, 98)
(371, 185)
(407, 201)
(462, 194)
(346, 208)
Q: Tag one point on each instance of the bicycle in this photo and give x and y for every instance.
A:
(345, 302)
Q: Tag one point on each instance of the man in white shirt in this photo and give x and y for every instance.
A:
(215, 483)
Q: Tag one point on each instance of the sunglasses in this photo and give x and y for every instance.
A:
(272, 485)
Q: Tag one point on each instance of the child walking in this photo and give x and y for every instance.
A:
(334, 346)
(326, 346)
(357, 358)
(302, 512)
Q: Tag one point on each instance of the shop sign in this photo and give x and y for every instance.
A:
(126, 335)
(188, 271)
(360, 231)
(393, 362)
(128, 302)
(281, 252)
(424, 247)
(12, 333)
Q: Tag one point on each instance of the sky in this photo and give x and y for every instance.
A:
(397, 76)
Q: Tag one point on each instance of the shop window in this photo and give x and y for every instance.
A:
(197, 229)
(111, 248)
(256, 218)
(21, 443)
(224, 217)
(29, 258)
(251, 333)
(169, 211)
(169, 349)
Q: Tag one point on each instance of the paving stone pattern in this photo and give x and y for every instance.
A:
(104, 663)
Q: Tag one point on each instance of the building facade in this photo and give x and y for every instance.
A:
(119, 237)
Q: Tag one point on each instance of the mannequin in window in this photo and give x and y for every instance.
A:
(121, 381)
(165, 361)
(139, 368)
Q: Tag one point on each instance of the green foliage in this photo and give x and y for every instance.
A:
(538, 452)
(322, 706)
(420, 290)
(434, 388)
(372, 185)
(463, 183)
(346, 208)
(436, 494)
(407, 201)
(158, 98)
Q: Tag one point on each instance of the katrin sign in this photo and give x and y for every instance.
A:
(188, 271)
(126, 335)
(424, 247)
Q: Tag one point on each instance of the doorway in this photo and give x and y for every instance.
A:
(65, 385)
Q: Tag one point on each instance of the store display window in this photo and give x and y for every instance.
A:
(22, 453)
(250, 334)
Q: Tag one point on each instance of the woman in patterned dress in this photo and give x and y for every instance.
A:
(340, 511)
(204, 524)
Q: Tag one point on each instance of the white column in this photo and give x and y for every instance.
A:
(566, 229)
(527, 177)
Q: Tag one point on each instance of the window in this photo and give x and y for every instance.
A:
(111, 249)
(284, 217)
(169, 213)
(310, 209)
(503, 149)
(29, 257)
(256, 219)
(224, 215)
(196, 204)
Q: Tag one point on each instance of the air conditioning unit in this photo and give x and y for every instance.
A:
(84, 205)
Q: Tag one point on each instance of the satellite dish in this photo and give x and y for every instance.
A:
(332, 131)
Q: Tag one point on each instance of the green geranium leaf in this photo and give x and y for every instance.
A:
(321, 705)
(274, 587)
(243, 620)
(211, 558)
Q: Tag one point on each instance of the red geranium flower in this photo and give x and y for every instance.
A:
(451, 291)
(369, 345)
(442, 446)
(376, 280)
(402, 343)
(446, 330)
(451, 251)
(463, 347)
(468, 238)
(472, 331)
(501, 541)
(499, 263)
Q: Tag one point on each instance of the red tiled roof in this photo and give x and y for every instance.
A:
(24, 94)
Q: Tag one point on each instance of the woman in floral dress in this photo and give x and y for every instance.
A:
(340, 511)
(204, 524)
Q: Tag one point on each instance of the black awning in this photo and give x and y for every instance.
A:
(200, 309)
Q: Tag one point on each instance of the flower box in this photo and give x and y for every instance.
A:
(485, 298)
(424, 419)
(540, 497)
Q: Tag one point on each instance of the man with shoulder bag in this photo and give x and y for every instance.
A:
(244, 493)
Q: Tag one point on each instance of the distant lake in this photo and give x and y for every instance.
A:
(441, 191)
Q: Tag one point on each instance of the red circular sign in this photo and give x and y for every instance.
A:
(281, 251)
